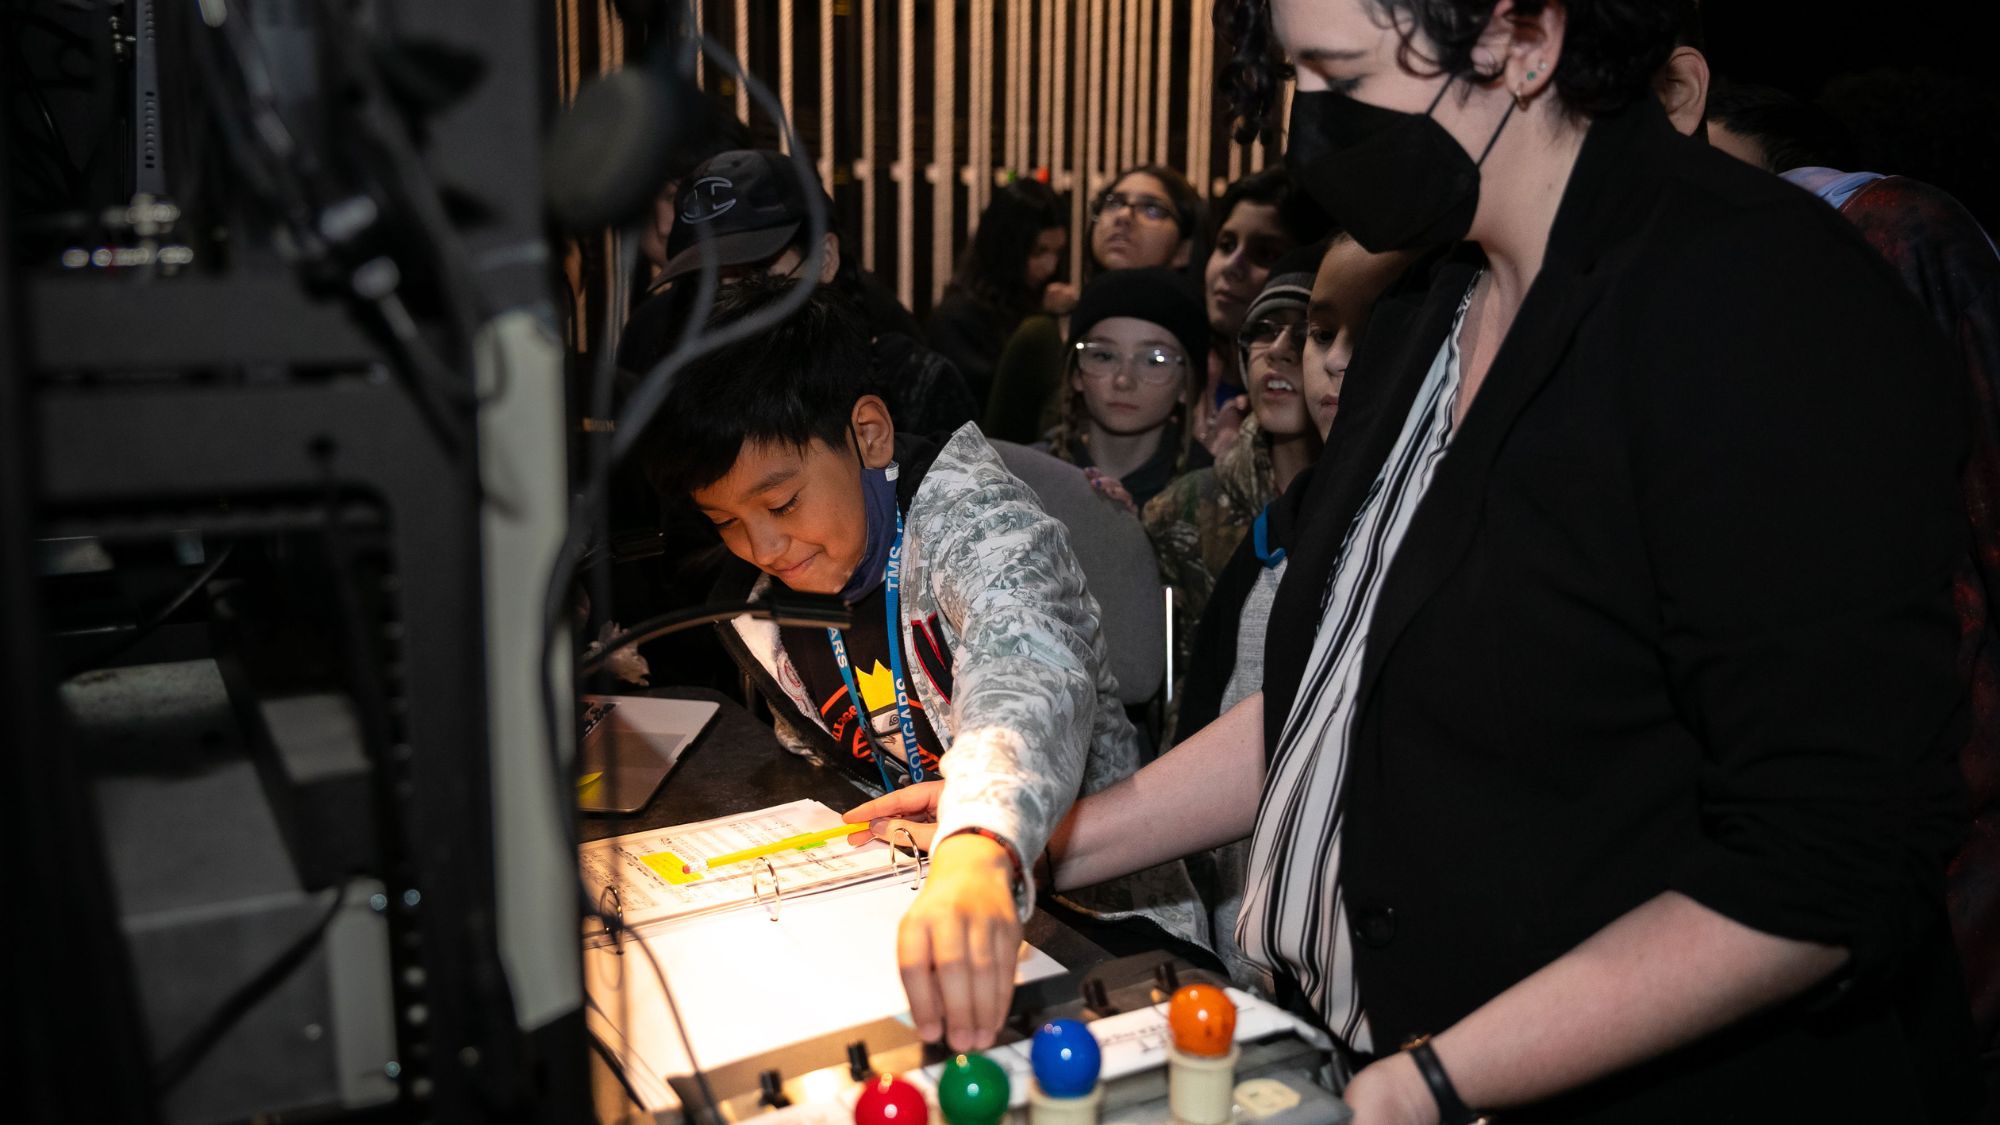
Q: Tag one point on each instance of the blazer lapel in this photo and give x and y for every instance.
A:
(1382, 386)
(1446, 520)
(1597, 202)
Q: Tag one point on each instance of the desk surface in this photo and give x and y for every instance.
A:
(736, 766)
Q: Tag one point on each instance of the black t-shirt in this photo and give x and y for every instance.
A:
(867, 642)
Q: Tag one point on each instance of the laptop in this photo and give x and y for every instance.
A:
(626, 744)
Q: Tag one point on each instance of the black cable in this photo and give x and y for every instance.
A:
(443, 399)
(658, 382)
(182, 1060)
(153, 620)
(655, 627)
(419, 193)
(615, 928)
(631, 422)
(72, 175)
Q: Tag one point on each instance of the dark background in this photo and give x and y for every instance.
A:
(1913, 81)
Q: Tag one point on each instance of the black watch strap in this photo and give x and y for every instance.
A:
(1452, 1109)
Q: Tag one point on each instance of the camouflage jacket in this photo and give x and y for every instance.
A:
(1032, 719)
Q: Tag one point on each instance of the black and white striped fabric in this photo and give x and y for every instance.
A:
(1293, 917)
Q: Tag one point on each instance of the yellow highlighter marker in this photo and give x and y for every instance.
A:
(789, 843)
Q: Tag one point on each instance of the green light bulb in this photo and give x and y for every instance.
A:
(973, 1090)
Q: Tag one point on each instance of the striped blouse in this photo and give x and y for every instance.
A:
(1293, 918)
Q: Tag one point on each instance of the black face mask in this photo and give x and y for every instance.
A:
(1395, 181)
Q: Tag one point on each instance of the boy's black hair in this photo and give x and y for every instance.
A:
(795, 381)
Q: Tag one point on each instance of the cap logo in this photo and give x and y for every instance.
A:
(708, 198)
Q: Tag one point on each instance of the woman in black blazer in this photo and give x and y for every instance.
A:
(1607, 733)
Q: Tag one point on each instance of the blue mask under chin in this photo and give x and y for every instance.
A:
(878, 500)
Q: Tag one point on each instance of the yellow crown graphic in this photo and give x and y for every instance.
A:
(878, 688)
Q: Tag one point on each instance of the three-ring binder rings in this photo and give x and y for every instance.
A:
(662, 873)
(761, 953)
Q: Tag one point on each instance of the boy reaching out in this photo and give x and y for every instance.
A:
(975, 652)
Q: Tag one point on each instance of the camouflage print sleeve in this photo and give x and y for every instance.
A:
(1025, 674)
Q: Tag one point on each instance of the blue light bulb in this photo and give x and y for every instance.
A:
(1066, 1059)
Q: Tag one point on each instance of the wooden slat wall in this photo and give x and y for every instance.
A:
(954, 99)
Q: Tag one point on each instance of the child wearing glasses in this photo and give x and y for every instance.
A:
(1150, 217)
(1196, 522)
(974, 653)
(1138, 350)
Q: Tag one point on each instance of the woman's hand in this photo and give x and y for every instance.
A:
(959, 943)
(1059, 298)
(911, 809)
(1391, 1091)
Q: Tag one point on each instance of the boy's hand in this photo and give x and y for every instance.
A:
(960, 942)
(913, 807)
(1059, 298)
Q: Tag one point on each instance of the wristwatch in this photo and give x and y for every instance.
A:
(1452, 1109)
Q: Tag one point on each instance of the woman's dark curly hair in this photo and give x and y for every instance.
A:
(1611, 48)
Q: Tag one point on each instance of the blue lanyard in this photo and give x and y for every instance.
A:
(892, 598)
(1260, 540)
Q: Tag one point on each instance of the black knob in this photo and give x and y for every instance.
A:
(1167, 977)
(1096, 998)
(857, 1060)
(773, 1085)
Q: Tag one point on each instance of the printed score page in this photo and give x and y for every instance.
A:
(646, 867)
(747, 984)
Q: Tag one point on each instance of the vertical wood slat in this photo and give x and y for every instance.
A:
(1054, 28)
(1135, 87)
(1165, 89)
(1196, 174)
(1024, 150)
(944, 183)
(1204, 81)
(1081, 89)
(742, 30)
(867, 168)
(1010, 110)
(906, 174)
(1114, 86)
(826, 65)
(1077, 180)
(979, 114)
(787, 70)
(1149, 11)
(1100, 87)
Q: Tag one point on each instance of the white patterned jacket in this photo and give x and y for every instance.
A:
(1033, 719)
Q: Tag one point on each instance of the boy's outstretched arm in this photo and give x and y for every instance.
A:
(955, 944)
(1024, 715)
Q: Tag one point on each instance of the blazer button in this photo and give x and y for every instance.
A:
(1375, 928)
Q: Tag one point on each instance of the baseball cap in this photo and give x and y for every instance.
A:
(748, 204)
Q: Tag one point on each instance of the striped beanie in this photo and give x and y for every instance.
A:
(1290, 285)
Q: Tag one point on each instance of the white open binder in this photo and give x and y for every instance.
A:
(760, 954)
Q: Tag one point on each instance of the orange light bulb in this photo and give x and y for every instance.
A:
(1202, 1019)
